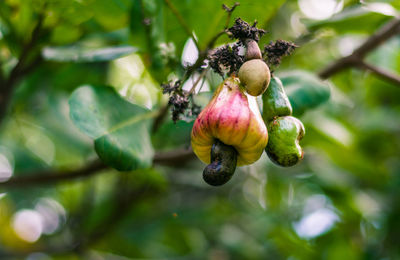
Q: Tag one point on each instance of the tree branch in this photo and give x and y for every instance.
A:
(172, 158)
(383, 34)
(20, 69)
(389, 76)
(175, 157)
(2, 79)
(54, 176)
(160, 117)
(387, 31)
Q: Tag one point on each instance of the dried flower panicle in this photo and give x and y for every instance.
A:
(226, 59)
(241, 30)
(181, 102)
(170, 87)
(274, 51)
(194, 110)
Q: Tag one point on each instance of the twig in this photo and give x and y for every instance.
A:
(160, 117)
(202, 53)
(387, 31)
(201, 76)
(2, 79)
(337, 66)
(146, 24)
(202, 56)
(392, 77)
(229, 11)
(182, 22)
(174, 157)
(164, 110)
(53, 176)
(20, 69)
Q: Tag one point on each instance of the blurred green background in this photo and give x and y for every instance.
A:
(341, 202)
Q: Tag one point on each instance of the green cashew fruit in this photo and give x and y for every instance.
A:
(275, 101)
(284, 135)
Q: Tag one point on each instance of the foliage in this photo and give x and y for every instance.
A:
(80, 80)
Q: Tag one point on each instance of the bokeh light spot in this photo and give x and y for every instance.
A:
(28, 225)
(52, 213)
(190, 53)
(320, 9)
(6, 169)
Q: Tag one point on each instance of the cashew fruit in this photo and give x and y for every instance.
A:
(233, 118)
(255, 76)
(284, 135)
(275, 101)
(222, 166)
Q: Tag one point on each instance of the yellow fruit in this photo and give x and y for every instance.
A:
(255, 76)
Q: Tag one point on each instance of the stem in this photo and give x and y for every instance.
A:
(182, 22)
(389, 76)
(386, 32)
(54, 176)
(229, 11)
(210, 45)
(160, 117)
(201, 76)
(2, 79)
(174, 157)
(8, 85)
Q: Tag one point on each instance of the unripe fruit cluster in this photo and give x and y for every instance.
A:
(230, 130)
(285, 131)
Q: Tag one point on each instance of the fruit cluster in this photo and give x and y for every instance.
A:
(230, 131)
(285, 131)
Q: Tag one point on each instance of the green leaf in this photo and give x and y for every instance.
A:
(78, 53)
(207, 18)
(305, 90)
(352, 20)
(120, 129)
(65, 34)
(111, 14)
(171, 135)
